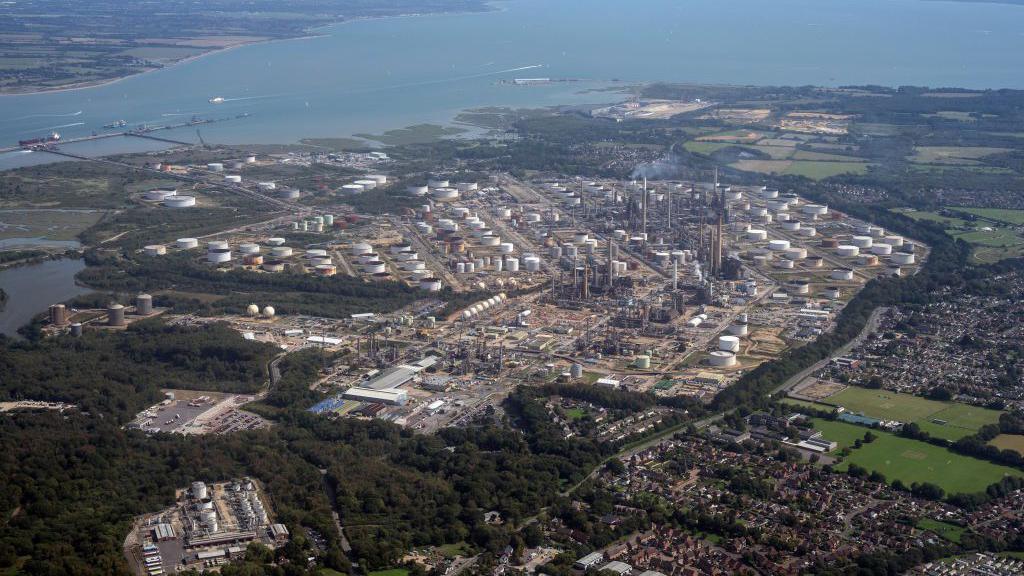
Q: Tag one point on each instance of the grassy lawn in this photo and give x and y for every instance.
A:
(1009, 442)
(452, 550)
(575, 413)
(960, 419)
(950, 532)
(913, 461)
(329, 572)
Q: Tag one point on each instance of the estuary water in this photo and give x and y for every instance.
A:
(376, 75)
(31, 289)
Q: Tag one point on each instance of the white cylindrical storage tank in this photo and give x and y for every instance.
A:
(248, 248)
(219, 256)
(785, 263)
(187, 243)
(532, 263)
(782, 217)
(757, 235)
(466, 186)
(778, 245)
(320, 261)
(269, 312)
(722, 359)
(894, 241)
(815, 262)
(352, 189)
(847, 250)
(643, 362)
(729, 343)
(400, 248)
(378, 178)
(156, 250)
(580, 237)
(366, 183)
(438, 183)
(281, 251)
(266, 186)
(791, 226)
(217, 245)
(316, 253)
(413, 265)
(360, 248)
(233, 179)
(430, 284)
(876, 231)
(797, 253)
(769, 193)
(470, 267)
(506, 247)
(733, 195)
(417, 190)
(815, 209)
(215, 166)
(798, 287)
(250, 159)
(445, 194)
(368, 257)
(902, 258)
(374, 267)
(757, 212)
(512, 264)
(842, 274)
(808, 231)
(777, 205)
(276, 241)
(326, 269)
(738, 328)
(460, 267)
(199, 491)
(159, 195)
(180, 201)
(490, 240)
(862, 241)
(830, 292)
(881, 249)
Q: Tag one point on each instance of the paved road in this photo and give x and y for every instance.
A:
(870, 326)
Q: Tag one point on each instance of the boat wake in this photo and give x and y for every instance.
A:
(30, 116)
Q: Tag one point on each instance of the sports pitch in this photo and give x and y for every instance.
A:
(914, 461)
(948, 420)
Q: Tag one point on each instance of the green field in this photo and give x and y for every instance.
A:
(953, 154)
(914, 461)
(804, 404)
(1013, 442)
(950, 532)
(1014, 217)
(705, 147)
(960, 419)
(991, 245)
(814, 170)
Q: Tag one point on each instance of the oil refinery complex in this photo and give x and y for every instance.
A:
(678, 288)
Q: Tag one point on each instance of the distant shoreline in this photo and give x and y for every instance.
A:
(32, 91)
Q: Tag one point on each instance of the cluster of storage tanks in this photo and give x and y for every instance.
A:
(364, 184)
(324, 222)
(483, 306)
(254, 311)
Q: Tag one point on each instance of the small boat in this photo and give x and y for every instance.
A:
(217, 100)
(118, 124)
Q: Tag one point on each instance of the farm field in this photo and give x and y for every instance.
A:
(913, 461)
(960, 419)
(815, 170)
(953, 154)
(1013, 442)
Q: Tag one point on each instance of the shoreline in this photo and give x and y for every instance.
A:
(309, 36)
